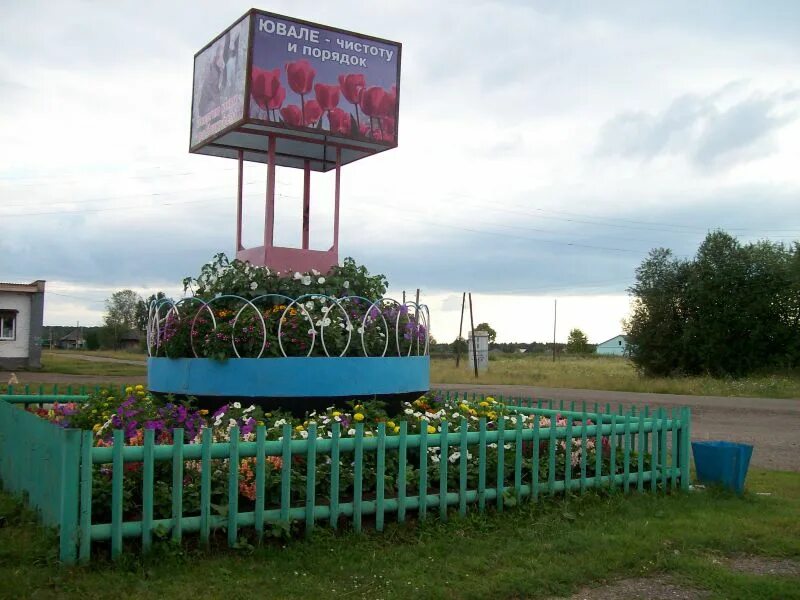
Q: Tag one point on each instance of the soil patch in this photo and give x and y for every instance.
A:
(641, 588)
(763, 565)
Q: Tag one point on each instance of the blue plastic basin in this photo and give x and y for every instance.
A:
(723, 463)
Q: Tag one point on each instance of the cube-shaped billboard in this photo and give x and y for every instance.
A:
(315, 89)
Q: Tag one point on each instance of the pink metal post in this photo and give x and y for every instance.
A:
(239, 203)
(306, 201)
(269, 217)
(335, 247)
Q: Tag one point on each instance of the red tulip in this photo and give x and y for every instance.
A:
(388, 105)
(339, 121)
(277, 100)
(327, 96)
(292, 115)
(371, 101)
(313, 112)
(265, 85)
(351, 86)
(388, 126)
(300, 75)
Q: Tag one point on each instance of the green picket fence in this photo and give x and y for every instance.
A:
(57, 467)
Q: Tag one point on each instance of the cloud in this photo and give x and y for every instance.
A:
(708, 131)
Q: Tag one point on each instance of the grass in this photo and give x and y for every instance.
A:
(120, 354)
(533, 551)
(610, 373)
(64, 363)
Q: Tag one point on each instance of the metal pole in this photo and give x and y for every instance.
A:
(474, 345)
(269, 224)
(555, 311)
(416, 321)
(239, 202)
(336, 202)
(306, 201)
(460, 327)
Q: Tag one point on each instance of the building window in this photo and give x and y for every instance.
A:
(8, 322)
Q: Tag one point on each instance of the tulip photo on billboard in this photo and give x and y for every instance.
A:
(332, 82)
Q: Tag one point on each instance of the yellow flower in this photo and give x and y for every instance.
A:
(463, 407)
(431, 429)
(111, 398)
(358, 417)
(139, 387)
(203, 411)
(492, 415)
(299, 428)
(96, 428)
(259, 423)
(484, 404)
(336, 413)
(490, 399)
(268, 415)
(390, 424)
(129, 390)
(397, 429)
(358, 407)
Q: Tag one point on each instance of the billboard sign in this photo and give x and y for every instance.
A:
(219, 83)
(309, 77)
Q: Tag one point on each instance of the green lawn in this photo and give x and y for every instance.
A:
(62, 362)
(534, 551)
(610, 373)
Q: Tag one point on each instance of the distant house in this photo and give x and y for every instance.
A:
(130, 340)
(74, 340)
(21, 315)
(616, 346)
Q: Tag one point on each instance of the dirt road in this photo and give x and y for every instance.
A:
(771, 425)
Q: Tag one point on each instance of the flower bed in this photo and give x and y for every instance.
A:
(145, 465)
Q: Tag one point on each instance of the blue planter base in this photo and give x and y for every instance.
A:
(291, 383)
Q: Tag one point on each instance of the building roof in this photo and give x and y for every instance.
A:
(72, 336)
(624, 337)
(24, 288)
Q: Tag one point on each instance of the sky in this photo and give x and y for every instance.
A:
(544, 149)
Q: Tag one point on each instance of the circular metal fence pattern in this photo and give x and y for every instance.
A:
(383, 317)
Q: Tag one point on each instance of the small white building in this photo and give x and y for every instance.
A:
(481, 351)
(616, 346)
(21, 316)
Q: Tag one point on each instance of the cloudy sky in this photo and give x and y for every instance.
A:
(545, 148)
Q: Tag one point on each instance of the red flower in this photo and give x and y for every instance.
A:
(265, 85)
(327, 96)
(388, 126)
(339, 121)
(292, 115)
(313, 112)
(300, 75)
(388, 105)
(277, 100)
(371, 101)
(351, 86)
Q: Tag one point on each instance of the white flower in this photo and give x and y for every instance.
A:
(312, 332)
(349, 327)
(297, 275)
(351, 432)
(314, 272)
(231, 423)
(360, 330)
(250, 408)
(454, 457)
(381, 334)
(218, 295)
(310, 305)
(306, 280)
(237, 405)
(304, 434)
(346, 284)
(326, 321)
(254, 286)
(409, 411)
(326, 309)
(321, 280)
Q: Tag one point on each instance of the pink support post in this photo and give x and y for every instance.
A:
(239, 203)
(306, 201)
(336, 203)
(269, 224)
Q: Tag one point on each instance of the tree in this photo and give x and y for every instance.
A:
(459, 346)
(92, 340)
(578, 343)
(488, 329)
(143, 309)
(731, 310)
(121, 316)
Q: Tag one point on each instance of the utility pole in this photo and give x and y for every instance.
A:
(555, 313)
(460, 328)
(472, 329)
